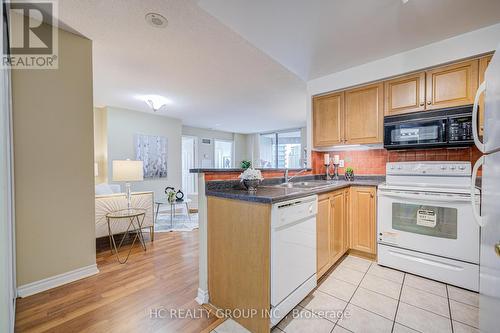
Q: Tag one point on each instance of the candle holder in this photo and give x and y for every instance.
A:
(335, 171)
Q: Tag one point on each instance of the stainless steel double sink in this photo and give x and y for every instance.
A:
(310, 184)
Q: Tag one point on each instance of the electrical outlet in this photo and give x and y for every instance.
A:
(341, 163)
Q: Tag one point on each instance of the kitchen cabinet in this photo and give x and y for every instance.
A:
(339, 225)
(364, 114)
(331, 229)
(328, 119)
(452, 85)
(483, 65)
(404, 94)
(362, 220)
(323, 232)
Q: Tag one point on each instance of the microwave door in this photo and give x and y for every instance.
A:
(414, 134)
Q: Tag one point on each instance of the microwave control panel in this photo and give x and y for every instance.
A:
(460, 129)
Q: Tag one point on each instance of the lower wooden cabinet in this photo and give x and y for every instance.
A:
(331, 229)
(362, 220)
(345, 220)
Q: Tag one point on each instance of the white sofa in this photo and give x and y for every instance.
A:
(107, 202)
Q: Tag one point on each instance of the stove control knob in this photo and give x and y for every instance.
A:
(400, 167)
(452, 167)
(461, 167)
(392, 167)
(443, 167)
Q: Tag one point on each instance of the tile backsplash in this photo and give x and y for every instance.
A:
(372, 162)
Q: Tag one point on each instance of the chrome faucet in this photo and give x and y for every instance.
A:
(287, 179)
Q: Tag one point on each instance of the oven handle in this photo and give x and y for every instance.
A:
(475, 134)
(401, 195)
(477, 215)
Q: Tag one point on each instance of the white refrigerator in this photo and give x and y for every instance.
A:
(488, 215)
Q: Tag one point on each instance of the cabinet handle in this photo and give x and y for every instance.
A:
(422, 104)
(429, 103)
(371, 195)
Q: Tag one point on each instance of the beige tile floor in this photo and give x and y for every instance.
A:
(361, 296)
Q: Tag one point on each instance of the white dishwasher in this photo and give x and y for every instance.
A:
(293, 254)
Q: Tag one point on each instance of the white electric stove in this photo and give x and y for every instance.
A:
(425, 222)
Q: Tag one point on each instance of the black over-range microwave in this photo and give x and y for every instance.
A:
(451, 127)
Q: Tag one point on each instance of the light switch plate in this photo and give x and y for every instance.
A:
(341, 163)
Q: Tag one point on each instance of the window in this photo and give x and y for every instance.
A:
(223, 154)
(268, 150)
(281, 149)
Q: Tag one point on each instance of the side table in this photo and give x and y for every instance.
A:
(135, 218)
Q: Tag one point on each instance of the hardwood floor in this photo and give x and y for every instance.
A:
(121, 297)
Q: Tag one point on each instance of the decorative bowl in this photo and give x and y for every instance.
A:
(251, 184)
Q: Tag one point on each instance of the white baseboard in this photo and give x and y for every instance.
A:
(202, 297)
(56, 281)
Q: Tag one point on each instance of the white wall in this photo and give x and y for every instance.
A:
(6, 223)
(207, 151)
(462, 46)
(123, 125)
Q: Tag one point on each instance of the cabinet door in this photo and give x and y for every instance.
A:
(337, 225)
(328, 119)
(323, 235)
(405, 94)
(483, 65)
(364, 114)
(452, 85)
(362, 219)
(347, 205)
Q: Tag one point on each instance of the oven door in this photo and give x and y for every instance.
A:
(435, 223)
(415, 133)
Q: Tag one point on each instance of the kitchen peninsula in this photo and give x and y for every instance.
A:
(243, 245)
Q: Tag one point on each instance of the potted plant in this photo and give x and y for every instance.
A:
(245, 164)
(170, 192)
(251, 178)
(349, 174)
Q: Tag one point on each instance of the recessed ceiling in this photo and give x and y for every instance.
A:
(213, 77)
(313, 38)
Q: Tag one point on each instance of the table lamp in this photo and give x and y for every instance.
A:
(127, 171)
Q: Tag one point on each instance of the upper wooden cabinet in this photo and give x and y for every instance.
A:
(364, 115)
(355, 116)
(362, 219)
(452, 85)
(328, 119)
(483, 65)
(405, 94)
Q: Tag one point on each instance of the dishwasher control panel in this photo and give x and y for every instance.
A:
(294, 210)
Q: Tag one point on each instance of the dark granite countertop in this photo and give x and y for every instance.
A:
(202, 170)
(268, 192)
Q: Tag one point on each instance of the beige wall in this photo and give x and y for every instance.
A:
(123, 125)
(54, 171)
(101, 144)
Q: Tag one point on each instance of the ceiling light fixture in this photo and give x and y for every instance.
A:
(155, 102)
(404, 1)
(156, 20)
